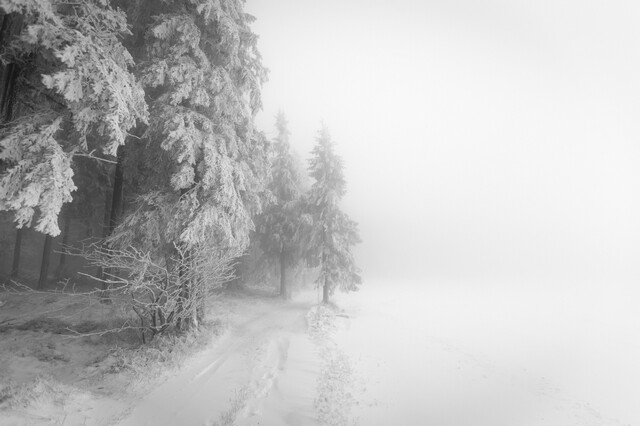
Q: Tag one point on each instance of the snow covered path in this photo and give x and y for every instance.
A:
(263, 372)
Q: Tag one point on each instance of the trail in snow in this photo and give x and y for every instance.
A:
(417, 355)
(263, 372)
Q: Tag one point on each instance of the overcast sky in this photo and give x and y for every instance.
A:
(481, 138)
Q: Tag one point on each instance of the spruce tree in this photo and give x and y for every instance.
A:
(280, 224)
(333, 232)
(204, 163)
(202, 75)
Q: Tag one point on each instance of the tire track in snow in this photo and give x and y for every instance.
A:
(248, 374)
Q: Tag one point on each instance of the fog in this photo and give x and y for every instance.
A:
(482, 139)
(493, 355)
(491, 152)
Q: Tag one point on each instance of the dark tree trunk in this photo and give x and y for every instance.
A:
(10, 26)
(65, 242)
(116, 210)
(105, 223)
(118, 184)
(15, 268)
(107, 210)
(283, 270)
(46, 257)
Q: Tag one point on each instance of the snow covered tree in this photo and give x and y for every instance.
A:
(278, 227)
(202, 74)
(204, 162)
(333, 232)
(76, 95)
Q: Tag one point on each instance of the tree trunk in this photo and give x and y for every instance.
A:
(325, 292)
(46, 257)
(118, 184)
(184, 298)
(283, 279)
(105, 223)
(185, 321)
(15, 268)
(11, 25)
(65, 241)
(325, 286)
(116, 209)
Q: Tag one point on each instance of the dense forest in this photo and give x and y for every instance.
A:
(132, 169)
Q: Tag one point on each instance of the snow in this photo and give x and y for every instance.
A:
(262, 372)
(485, 354)
(441, 353)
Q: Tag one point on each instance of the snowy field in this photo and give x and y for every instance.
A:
(483, 354)
(433, 353)
(447, 354)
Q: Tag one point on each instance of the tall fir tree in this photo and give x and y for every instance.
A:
(205, 163)
(279, 226)
(333, 232)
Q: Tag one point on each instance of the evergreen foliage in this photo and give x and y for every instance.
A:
(333, 232)
(280, 226)
(202, 74)
(179, 82)
(279, 223)
(76, 94)
(205, 165)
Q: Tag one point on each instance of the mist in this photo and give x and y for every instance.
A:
(165, 258)
(493, 140)
(491, 153)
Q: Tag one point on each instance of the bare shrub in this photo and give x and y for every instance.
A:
(168, 292)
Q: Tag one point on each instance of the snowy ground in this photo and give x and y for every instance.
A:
(447, 354)
(263, 372)
(439, 354)
(481, 354)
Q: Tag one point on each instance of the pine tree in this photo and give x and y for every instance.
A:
(202, 74)
(76, 95)
(280, 223)
(204, 163)
(333, 232)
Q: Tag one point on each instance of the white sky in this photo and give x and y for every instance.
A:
(481, 138)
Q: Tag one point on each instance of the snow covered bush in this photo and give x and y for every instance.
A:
(321, 321)
(165, 293)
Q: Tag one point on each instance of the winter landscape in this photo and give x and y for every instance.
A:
(241, 212)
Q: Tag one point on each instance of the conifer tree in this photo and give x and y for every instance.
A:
(280, 224)
(204, 162)
(333, 232)
(76, 95)
(202, 74)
